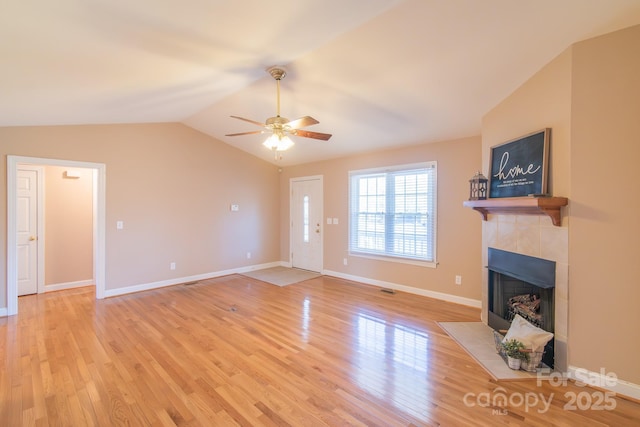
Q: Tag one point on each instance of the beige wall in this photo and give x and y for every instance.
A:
(604, 240)
(68, 225)
(459, 229)
(172, 186)
(589, 96)
(543, 101)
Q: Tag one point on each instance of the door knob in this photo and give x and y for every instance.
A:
(32, 238)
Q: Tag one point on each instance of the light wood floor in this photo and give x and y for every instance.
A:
(236, 351)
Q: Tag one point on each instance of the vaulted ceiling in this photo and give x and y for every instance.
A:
(375, 73)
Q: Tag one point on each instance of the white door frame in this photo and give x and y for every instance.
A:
(39, 221)
(99, 223)
(291, 215)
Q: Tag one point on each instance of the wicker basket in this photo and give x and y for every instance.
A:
(531, 365)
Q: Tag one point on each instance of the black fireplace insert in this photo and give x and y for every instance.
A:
(523, 285)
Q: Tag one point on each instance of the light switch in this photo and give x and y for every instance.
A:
(328, 221)
(335, 221)
(119, 225)
(235, 208)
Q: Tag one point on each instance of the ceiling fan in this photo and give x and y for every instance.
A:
(279, 127)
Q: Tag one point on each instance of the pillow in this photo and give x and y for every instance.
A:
(531, 336)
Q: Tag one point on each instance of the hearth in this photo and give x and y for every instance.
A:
(524, 285)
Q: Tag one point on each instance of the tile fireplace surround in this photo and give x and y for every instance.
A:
(534, 236)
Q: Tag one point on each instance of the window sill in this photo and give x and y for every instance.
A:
(428, 264)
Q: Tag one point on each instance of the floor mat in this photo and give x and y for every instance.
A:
(282, 276)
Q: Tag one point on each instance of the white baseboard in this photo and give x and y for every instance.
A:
(423, 292)
(68, 285)
(178, 280)
(606, 381)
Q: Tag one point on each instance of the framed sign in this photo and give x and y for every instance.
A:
(519, 167)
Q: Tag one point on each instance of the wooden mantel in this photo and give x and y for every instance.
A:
(549, 206)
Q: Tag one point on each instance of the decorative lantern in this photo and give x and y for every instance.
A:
(478, 187)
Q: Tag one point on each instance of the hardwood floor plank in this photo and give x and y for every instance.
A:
(234, 351)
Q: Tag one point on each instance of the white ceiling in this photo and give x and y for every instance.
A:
(375, 73)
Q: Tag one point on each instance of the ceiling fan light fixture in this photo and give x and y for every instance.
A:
(281, 127)
(278, 142)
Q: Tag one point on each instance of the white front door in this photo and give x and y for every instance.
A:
(27, 231)
(306, 223)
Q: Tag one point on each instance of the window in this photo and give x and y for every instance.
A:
(305, 219)
(392, 213)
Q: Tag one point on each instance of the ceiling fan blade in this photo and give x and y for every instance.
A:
(302, 122)
(245, 133)
(249, 120)
(308, 134)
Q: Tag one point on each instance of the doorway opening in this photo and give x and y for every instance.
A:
(98, 171)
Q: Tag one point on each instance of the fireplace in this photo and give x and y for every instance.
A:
(524, 285)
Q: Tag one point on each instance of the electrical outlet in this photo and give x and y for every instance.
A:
(344, 261)
(248, 255)
(172, 266)
(458, 280)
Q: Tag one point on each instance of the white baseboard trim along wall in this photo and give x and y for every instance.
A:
(422, 292)
(178, 280)
(68, 285)
(604, 380)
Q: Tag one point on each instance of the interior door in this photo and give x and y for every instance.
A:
(306, 223)
(27, 231)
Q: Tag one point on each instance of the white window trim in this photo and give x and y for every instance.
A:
(399, 259)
